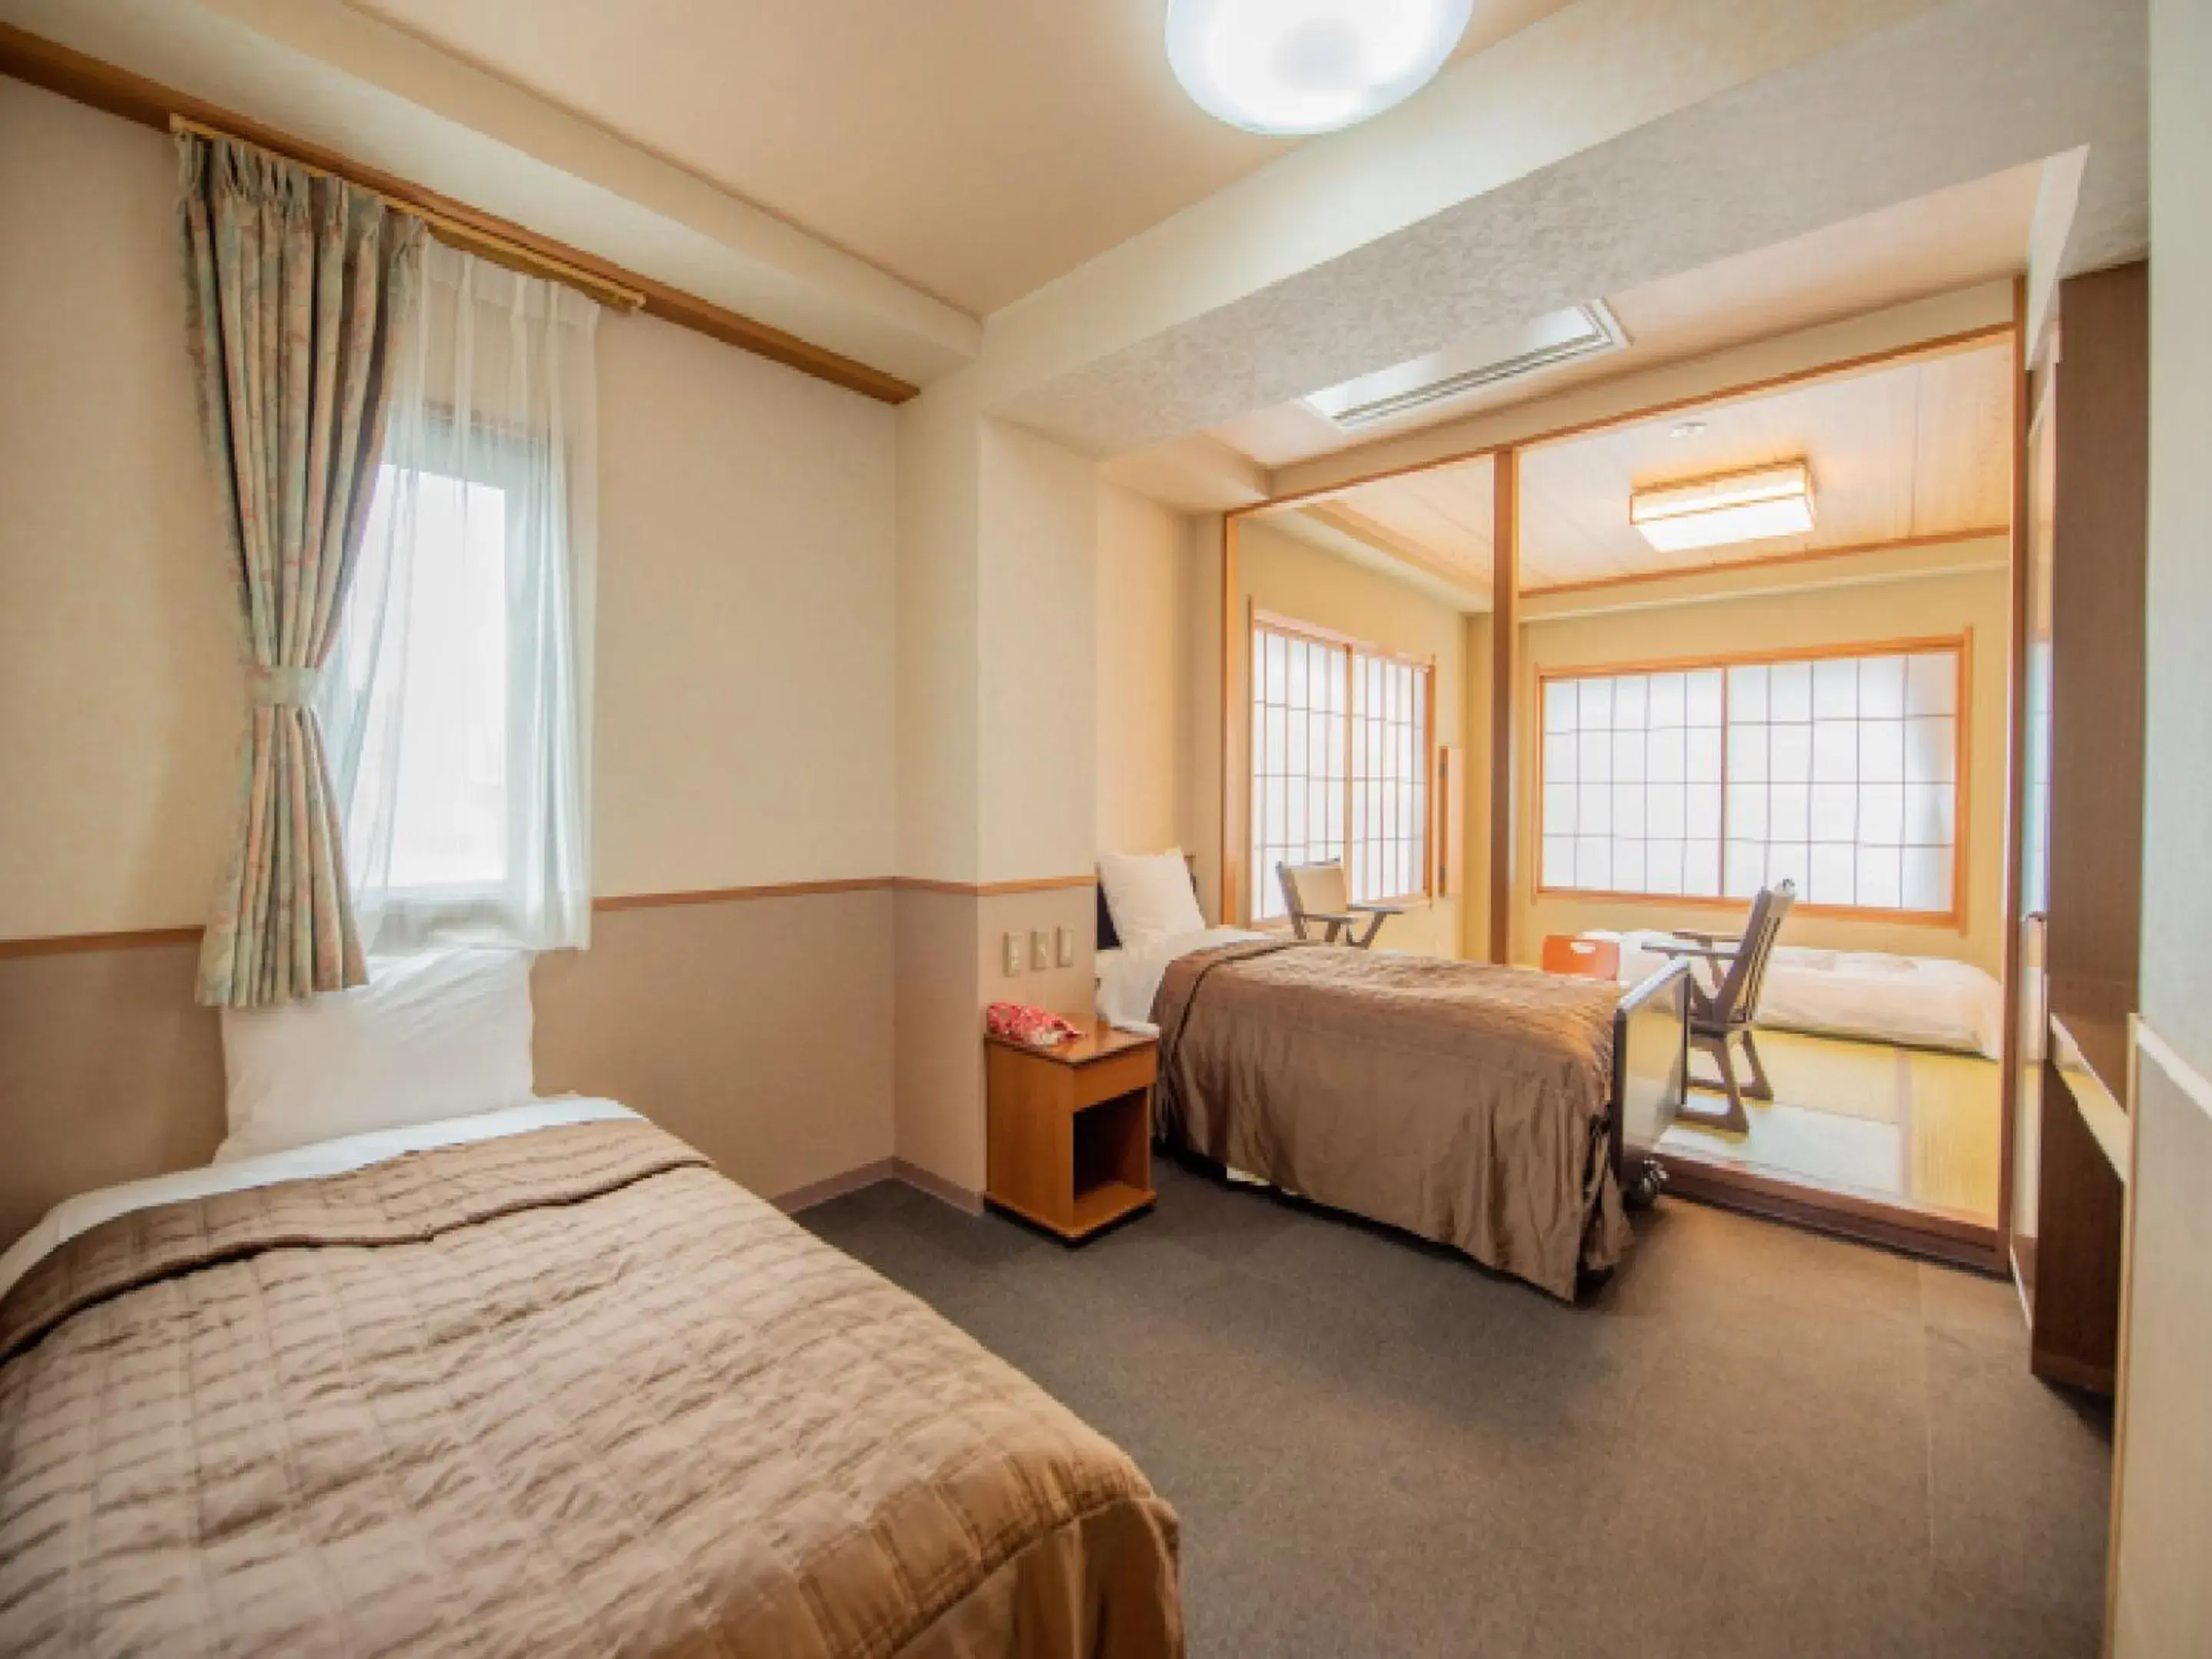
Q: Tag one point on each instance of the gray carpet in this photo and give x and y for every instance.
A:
(1752, 1442)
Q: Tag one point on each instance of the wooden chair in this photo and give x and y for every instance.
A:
(1315, 893)
(1721, 1016)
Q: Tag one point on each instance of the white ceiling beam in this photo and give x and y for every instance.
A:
(1615, 143)
(1877, 337)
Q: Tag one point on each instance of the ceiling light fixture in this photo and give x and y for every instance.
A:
(1304, 66)
(1736, 506)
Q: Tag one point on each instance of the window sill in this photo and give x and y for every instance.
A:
(1819, 912)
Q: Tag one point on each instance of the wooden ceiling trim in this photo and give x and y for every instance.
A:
(1348, 521)
(1803, 556)
(87, 80)
(1938, 346)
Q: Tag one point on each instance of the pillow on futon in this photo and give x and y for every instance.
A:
(1149, 895)
(440, 1034)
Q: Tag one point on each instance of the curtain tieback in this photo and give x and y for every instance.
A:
(281, 688)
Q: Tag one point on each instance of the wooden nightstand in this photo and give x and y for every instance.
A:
(1071, 1129)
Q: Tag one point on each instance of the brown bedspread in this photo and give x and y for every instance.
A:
(566, 1393)
(1464, 1103)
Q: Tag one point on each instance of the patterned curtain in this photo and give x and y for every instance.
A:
(299, 287)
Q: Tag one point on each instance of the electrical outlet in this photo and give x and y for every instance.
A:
(1066, 952)
(1013, 956)
(1040, 949)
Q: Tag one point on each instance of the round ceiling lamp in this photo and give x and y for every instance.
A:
(1304, 66)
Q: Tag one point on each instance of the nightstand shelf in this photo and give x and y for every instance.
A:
(1070, 1140)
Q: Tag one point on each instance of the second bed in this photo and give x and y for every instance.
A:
(1495, 1109)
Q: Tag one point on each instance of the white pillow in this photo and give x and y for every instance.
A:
(434, 1036)
(1149, 895)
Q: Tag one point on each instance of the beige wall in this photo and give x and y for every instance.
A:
(1143, 658)
(1289, 578)
(1199, 705)
(1924, 607)
(745, 644)
(939, 640)
(746, 713)
(2163, 1603)
(949, 966)
(997, 747)
(119, 700)
(1037, 704)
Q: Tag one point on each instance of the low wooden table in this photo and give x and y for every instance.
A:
(1071, 1128)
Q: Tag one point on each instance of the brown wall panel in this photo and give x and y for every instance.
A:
(760, 1030)
(109, 1073)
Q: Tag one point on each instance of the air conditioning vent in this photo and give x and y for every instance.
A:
(1445, 377)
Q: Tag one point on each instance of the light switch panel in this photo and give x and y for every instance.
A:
(1066, 952)
(1013, 956)
(1041, 949)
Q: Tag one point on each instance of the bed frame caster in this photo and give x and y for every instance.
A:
(1644, 1187)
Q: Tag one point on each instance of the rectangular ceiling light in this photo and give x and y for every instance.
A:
(1737, 507)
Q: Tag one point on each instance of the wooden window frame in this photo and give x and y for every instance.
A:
(1259, 621)
(1961, 642)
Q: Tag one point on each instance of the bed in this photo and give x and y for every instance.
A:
(1919, 1002)
(536, 1380)
(1499, 1111)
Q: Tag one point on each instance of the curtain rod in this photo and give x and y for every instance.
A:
(514, 255)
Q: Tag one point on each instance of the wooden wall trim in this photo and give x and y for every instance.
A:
(66, 944)
(1945, 1238)
(2016, 786)
(837, 1186)
(1941, 345)
(1235, 642)
(1504, 677)
(1900, 646)
(61, 943)
(946, 1192)
(738, 895)
(992, 888)
(1962, 643)
(1808, 555)
(104, 86)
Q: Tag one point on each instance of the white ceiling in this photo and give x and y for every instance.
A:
(1913, 449)
(975, 149)
(1952, 239)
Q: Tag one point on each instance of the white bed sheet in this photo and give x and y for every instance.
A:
(1927, 1002)
(1129, 978)
(324, 1158)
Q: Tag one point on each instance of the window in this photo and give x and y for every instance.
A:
(433, 714)
(456, 699)
(1708, 781)
(1340, 735)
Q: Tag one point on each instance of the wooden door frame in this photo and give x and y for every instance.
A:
(1948, 1239)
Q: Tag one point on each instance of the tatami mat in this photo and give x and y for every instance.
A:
(1905, 1125)
(1863, 1156)
(1956, 1102)
(1845, 1080)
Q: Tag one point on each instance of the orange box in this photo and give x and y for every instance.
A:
(1584, 959)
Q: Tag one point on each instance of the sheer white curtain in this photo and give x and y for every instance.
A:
(456, 701)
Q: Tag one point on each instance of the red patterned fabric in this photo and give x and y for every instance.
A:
(1018, 1023)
